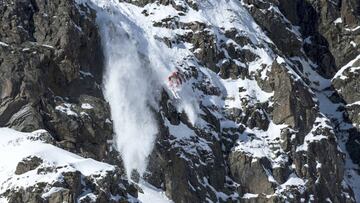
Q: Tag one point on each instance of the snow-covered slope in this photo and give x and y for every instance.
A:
(29, 160)
(194, 39)
(16, 146)
(211, 101)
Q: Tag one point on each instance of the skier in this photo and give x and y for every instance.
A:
(175, 80)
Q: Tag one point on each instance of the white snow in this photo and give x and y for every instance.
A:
(353, 29)
(47, 46)
(87, 74)
(318, 165)
(353, 43)
(86, 106)
(15, 146)
(357, 103)
(129, 37)
(180, 131)
(351, 173)
(3, 44)
(260, 146)
(340, 72)
(51, 191)
(318, 82)
(130, 84)
(338, 20)
(92, 196)
(249, 195)
(67, 109)
(310, 137)
(294, 180)
(252, 92)
(152, 194)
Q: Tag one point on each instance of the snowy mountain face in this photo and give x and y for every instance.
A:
(179, 101)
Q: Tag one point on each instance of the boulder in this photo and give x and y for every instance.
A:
(28, 164)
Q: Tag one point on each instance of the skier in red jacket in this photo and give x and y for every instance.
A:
(175, 80)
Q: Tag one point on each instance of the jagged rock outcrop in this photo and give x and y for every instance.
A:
(51, 73)
(176, 170)
(51, 67)
(75, 188)
(293, 103)
(28, 164)
(267, 109)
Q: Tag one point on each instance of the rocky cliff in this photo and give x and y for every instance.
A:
(267, 110)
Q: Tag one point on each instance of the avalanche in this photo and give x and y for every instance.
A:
(138, 63)
(137, 67)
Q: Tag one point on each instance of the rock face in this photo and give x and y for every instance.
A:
(285, 163)
(51, 67)
(28, 164)
(293, 103)
(50, 70)
(269, 107)
(75, 188)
